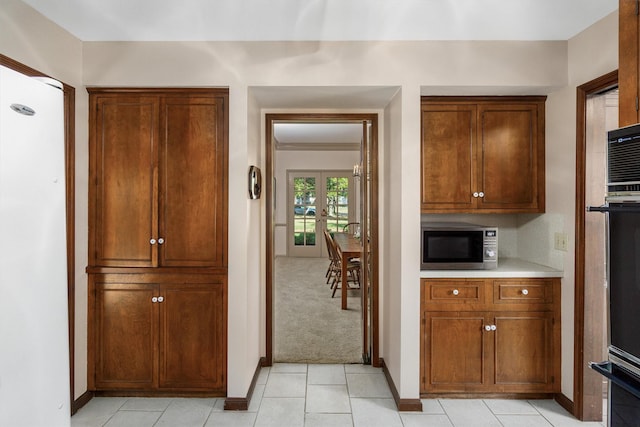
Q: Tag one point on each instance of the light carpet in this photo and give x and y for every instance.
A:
(310, 326)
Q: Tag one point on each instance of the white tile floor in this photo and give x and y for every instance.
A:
(321, 395)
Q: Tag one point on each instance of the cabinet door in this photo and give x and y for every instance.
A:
(511, 165)
(193, 336)
(524, 352)
(126, 336)
(193, 182)
(448, 155)
(629, 63)
(455, 352)
(123, 206)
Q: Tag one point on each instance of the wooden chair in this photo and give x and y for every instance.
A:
(351, 227)
(353, 268)
(331, 268)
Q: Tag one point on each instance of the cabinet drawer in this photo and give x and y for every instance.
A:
(527, 291)
(453, 292)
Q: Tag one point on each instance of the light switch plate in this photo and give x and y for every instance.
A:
(560, 241)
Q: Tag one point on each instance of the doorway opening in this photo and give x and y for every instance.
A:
(290, 207)
(597, 114)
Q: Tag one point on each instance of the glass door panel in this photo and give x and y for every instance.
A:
(337, 200)
(304, 211)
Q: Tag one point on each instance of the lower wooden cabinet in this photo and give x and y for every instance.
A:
(168, 336)
(523, 351)
(475, 342)
(454, 348)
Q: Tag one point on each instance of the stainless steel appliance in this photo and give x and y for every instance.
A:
(623, 224)
(458, 246)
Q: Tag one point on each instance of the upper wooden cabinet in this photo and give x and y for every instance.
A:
(158, 190)
(483, 154)
(629, 62)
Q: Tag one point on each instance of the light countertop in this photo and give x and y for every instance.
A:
(507, 267)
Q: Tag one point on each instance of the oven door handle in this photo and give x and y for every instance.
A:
(605, 208)
(626, 381)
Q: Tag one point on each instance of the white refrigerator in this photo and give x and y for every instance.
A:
(34, 342)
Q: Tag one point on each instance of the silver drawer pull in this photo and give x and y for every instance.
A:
(152, 241)
(160, 241)
(455, 292)
(525, 292)
(493, 327)
(160, 299)
(154, 299)
(487, 328)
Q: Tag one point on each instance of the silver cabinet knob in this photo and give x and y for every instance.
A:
(475, 194)
(493, 327)
(525, 292)
(152, 241)
(481, 194)
(456, 292)
(160, 299)
(160, 241)
(487, 328)
(154, 299)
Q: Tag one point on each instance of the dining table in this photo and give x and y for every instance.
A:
(348, 247)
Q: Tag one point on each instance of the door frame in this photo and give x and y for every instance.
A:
(582, 303)
(269, 192)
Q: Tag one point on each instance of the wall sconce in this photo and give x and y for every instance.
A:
(255, 182)
(357, 170)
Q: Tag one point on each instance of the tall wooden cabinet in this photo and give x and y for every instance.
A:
(158, 239)
(158, 168)
(629, 62)
(490, 336)
(482, 154)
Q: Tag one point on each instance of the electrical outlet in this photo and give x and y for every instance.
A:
(560, 241)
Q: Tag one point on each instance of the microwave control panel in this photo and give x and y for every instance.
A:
(490, 245)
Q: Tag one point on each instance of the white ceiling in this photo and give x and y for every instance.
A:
(245, 20)
(326, 20)
(297, 135)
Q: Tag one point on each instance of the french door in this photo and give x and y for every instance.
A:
(317, 200)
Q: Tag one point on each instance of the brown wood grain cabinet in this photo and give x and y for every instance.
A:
(629, 62)
(158, 197)
(158, 336)
(158, 175)
(490, 336)
(482, 154)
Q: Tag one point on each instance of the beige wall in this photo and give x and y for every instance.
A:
(413, 68)
(592, 53)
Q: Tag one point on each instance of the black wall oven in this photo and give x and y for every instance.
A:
(623, 262)
(623, 366)
(624, 279)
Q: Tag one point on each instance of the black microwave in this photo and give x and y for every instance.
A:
(458, 246)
